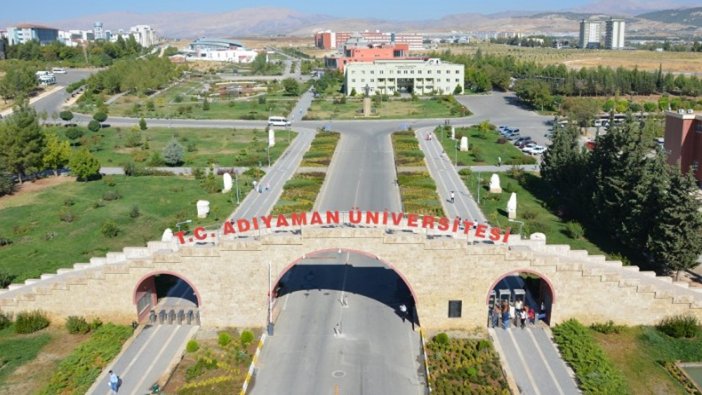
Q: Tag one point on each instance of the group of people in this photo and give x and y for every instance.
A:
(260, 186)
(518, 312)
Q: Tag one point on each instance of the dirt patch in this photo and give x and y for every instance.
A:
(25, 191)
(29, 378)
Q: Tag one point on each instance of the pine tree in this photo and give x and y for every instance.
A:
(173, 153)
(675, 240)
(21, 142)
(563, 166)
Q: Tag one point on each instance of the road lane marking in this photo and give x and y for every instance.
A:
(141, 350)
(523, 361)
(548, 366)
(158, 357)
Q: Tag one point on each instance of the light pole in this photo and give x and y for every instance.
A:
(478, 187)
(268, 152)
(236, 180)
(456, 155)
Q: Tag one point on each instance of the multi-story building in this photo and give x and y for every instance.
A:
(590, 33)
(330, 40)
(98, 31)
(2, 50)
(683, 141)
(417, 76)
(356, 51)
(144, 35)
(23, 33)
(614, 33)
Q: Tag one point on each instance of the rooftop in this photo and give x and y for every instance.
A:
(32, 26)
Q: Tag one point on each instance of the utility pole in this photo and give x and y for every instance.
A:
(478, 187)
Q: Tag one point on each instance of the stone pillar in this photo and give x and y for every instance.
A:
(366, 106)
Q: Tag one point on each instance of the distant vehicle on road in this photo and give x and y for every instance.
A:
(278, 121)
(58, 70)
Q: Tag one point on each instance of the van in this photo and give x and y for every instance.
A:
(278, 121)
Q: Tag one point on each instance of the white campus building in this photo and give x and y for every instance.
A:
(219, 50)
(417, 76)
(614, 33)
(144, 35)
(590, 33)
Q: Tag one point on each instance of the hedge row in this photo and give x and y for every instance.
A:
(595, 372)
(77, 372)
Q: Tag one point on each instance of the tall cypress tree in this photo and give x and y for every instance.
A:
(675, 239)
(21, 142)
(563, 167)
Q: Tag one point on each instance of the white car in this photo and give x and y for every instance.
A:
(528, 146)
(58, 70)
(537, 150)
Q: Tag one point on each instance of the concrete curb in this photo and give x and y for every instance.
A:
(253, 364)
(426, 360)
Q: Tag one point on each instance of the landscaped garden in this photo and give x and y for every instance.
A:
(485, 146)
(299, 193)
(321, 150)
(75, 221)
(198, 147)
(214, 365)
(464, 366)
(532, 209)
(407, 152)
(385, 107)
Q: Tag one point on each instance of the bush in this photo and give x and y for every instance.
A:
(224, 338)
(5, 279)
(246, 338)
(574, 230)
(109, 229)
(173, 153)
(111, 195)
(7, 186)
(606, 328)
(142, 124)
(94, 125)
(100, 116)
(442, 338)
(5, 320)
(192, 346)
(680, 326)
(74, 134)
(134, 212)
(95, 324)
(66, 115)
(30, 322)
(67, 216)
(76, 325)
(595, 373)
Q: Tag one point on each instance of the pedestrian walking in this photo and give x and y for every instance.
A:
(452, 197)
(268, 186)
(496, 312)
(113, 382)
(499, 161)
(531, 315)
(403, 312)
(522, 318)
(505, 318)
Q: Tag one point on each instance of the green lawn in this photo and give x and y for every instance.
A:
(439, 107)
(531, 208)
(16, 350)
(483, 145)
(299, 193)
(223, 147)
(418, 194)
(62, 225)
(321, 150)
(638, 353)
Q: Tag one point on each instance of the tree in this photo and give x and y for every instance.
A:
(142, 123)
(21, 142)
(675, 240)
(353, 92)
(205, 105)
(100, 116)
(173, 153)
(19, 81)
(83, 164)
(73, 134)
(57, 153)
(564, 165)
(458, 89)
(94, 125)
(66, 115)
(291, 87)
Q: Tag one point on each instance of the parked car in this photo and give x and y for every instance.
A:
(58, 70)
(512, 136)
(522, 144)
(538, 150)
(524, 139)
(528, 146)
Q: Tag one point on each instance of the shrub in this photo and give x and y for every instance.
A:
(100, 116)
(110, 181)
(173, 153)
(574, 230)
(246, 338)
(142, 124)
(7, 186)
(192, 346)
(156, 160)
(678, 326)
(99, 203)
(109, 229)
(75, 325)
(224, 338)
(66, 115)
(5, 278)
(5, 242)
(111, 195)
(134, 212)
(95, 324)
(5, 320)
(30, 322)
(74, 134)
(262, 99)
(606, 328)
(93, 125)
(67, 216)
(442, 338)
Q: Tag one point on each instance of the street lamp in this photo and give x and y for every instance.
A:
(270, 302)
(478, 187)
(268, 152)
(236, 180)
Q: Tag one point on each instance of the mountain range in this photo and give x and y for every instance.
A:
(283, 21)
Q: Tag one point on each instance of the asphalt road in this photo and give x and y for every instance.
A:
(322, 346)
(53, 102)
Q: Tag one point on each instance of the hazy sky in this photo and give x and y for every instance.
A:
(51, 10)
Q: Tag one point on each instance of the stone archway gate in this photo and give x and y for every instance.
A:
(232, 278)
